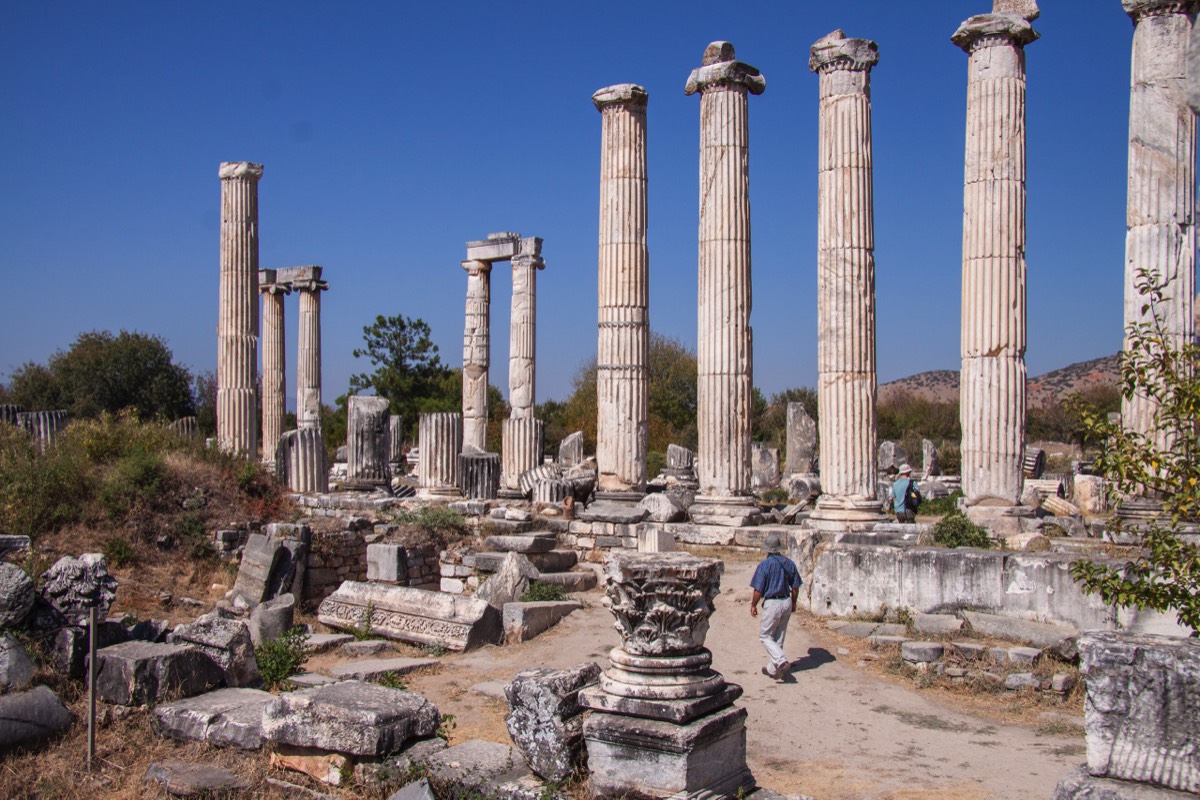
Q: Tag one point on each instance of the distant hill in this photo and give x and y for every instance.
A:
(941, 385)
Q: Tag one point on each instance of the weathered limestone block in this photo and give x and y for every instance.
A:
(1079, 785)
(372, 669)
(891, 456)
(662, 507)
(1143, 700)
(535, 542)
(136, 673)
(1088, 492)
(412, 615)
(74, 585)
(351, 717)
(29, 717)
(520, 451)
(545, 720)
(801, 440)
(1039, 634)
(654, 539)
(300, 461)
(185, 779)
(486, 769)
(439, 446)
(271, 619)
(387, 563)
(764, 462)
(16, 668)
(525, 620)
(273, 563)
(571, 582)
(227, 642)
(479, 475)
(16, 595)
(225, 718)
(509, 583)
(69, 651)
(367, 431)
(931, 465)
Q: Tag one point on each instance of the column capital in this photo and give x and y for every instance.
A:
(986, 30)
(622, 94)
(231, 170)
(537, 262)
(474, 267)
(719, 70)
(834, 51)
(1139, 9)
(530, 246)
(310, 286)
(1022, 8)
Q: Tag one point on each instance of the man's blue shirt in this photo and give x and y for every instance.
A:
(776, 576)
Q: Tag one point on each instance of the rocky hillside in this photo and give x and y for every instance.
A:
(941, 386)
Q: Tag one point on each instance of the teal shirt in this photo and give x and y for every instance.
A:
(898, 490)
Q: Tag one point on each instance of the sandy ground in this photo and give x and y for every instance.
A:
(833, 730)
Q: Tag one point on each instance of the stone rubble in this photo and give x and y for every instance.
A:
(545, 718)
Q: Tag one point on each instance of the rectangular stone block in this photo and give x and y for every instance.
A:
(655, 540)
(226, 718)
(387, 563)
(581, 581)
(413, 615)
(1142, 707)
(523, 621)
(523, 543)
(137, 673)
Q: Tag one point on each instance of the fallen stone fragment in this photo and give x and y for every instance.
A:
(366, 647)
(922, 652)
(886, 642)
(509, 582)
(523, 543)
(523, 621)
(350, 717)
(306, 679)
(320, 642)
(1038, 634)
(272, 619)
(184, 779)
(662, 507)
(330, 768)
(571, 582)
(1021, 680)
(477, 763)
(1062, 682)
(1080, 785)
(412, 615)
(936, 623)
(865, 630)
(226, 717)
(227, 642)
(368, 770)
(16, 668)
(70, 648)
(136, 673)
(372, 669)
(418, 790)
(1024, 655)
(969, 650)
(30, 717)
(16, 595)
(545, 719)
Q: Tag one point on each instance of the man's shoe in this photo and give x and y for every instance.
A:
(770, 673)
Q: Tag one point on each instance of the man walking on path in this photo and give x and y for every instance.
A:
(776, 583)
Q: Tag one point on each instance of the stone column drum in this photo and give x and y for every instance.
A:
(300, 461)
(479, 475)
(237, 322)
(308, 351)
(522, 444)
(992, 403)
(395, 439)
(439, 445)
(522, 358)
(1161, 202)
(476, 354)
(846, 280)
(663, 720)
(623, 353)
(274, 372)
(367, 442)
(724, 346)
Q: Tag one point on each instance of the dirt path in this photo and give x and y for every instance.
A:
(835, 732)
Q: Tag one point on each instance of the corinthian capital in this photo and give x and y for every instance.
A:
(662, 601)
(835, 51)
(719, 69)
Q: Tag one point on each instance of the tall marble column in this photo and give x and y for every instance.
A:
(274, 372)
(724, 352)
(992, 393)
(623, 353)
(846, 280)
(308, 351)
(1161, 203)
(237, 323)
(522, 359)
(476, 354)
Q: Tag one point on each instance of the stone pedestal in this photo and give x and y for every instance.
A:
(476, 354)
(308, 353)
(521, 447)
(479, 475)
(846, 281)
(992, 404)
(367, 443)
(623, 353)
(237, 322)
(274, 392)
(724, 348)
(300, 461)
(663, 720)
(439, 446)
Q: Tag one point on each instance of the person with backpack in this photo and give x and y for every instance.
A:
(905, 497)
(776, 584)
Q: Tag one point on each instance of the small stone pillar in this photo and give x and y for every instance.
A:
(439, 445)
(237, 322)
(1161, 201)
(274, 372)
(395, 439)
(308, 352)
(9, 411)
(367, 442)
(993, 313)
(724, 346)
(522, 444)
(663, 721)
(522, 358)
(476, 353)
(43, 426)
(300, 461)
(479, 475)
(623, 355)
(846, 281)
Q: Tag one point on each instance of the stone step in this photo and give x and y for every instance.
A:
(571, 581)
(372, 669)
(523, 621)
(537, 542)
(321, 642)
(185, 779)
(550, 561)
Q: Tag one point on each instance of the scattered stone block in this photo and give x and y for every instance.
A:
(1080, 785)
(1030, 541)
(366, 647)
(185, 779)
(387, 563)
(413, 615)
(936, 623)
(922, 652)
(509, 583)
(865, 630)
(137, 673)
(1062, 682)
(477, 763)
(662, 507)
(271, 619)
(16, 668)
(1142, 703)
(226, 718)
(553, 561)
(523, 542)
(1024, 655)
(16, 595)
(330, 768)
(369, 770)
(764, 466)
(418, 790)
(969, 650)
(371, 669)
(70, 648)
(305, 680)
(227, 642)
(571, 582)
(1038, 634)
(998, 654)
(884, 642)
(517, 515)
(614, 512)
(1088, 493)
(260, 557)
(523, 621)
(652, 539)
(30, 717)
(801, 453)
(1021, 680)
(349, 717)
(545, 719)
(321, 642)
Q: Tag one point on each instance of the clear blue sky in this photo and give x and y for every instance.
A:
(391, 133)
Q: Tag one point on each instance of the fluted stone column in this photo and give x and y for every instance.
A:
(522, 442)
(439, 445)
(623, 353)
(274, 372)
(237, 324)
(476, 354)
(300, 461)
(395, 439)
(992, 403)
(308, 351)
(1161, 203)
(724, 352)
(846, 280)
(367, 434)
(522, 359)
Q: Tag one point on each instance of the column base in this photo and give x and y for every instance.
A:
(731, 511)
(624, 496)
(848, 509)
(618, 512)
(444, 494)
(999, 520)
(511, 494)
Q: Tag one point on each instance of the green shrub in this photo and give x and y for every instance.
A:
(139, 476)
(392, 680)
(942, 505)
(251, 479)
(189, 533)
(774, 496)
(656, 462)
(543, 592)
(280, 659)
(433, 518)
(117, 552)
(955, 530)
(40, 492)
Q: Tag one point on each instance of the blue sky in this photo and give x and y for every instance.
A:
(391, 133)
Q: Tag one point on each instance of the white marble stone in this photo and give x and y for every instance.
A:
(476, 353)
(308, 351)
(439, 446)
(274, 373)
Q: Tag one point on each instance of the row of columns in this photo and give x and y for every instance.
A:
(274, 285)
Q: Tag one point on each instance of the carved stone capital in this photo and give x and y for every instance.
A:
(474, 267)
(535, 262)
(662, 601)
(1139, 9)
(310, 286)
(1022, 8)
(986, 30)
(240, 169)
(720, 70)
(623, 94)
(835, 51)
